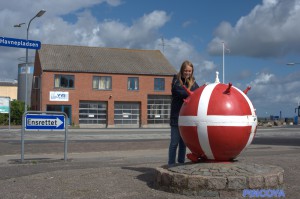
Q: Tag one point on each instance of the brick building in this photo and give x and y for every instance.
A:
(103, 87)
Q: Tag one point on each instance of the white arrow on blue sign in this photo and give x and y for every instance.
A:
(44, 122)
(20, 43)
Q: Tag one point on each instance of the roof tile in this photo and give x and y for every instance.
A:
(69, 58)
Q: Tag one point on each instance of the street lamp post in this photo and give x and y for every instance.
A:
(223, 45)
(39, 14)
(18, 25)
(292, 64)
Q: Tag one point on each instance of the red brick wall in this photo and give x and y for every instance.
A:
(83, 91)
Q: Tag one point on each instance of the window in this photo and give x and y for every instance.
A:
(102, 83)
(64, 81)
(159, 84)
(159, 109)
(133, 83)
(36, 82)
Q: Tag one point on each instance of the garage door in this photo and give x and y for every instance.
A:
(127, 114)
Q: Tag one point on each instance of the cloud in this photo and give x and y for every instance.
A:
(269, 30)
(53, 8)
(86, 30)
(270, 91)
(177, 50)
(138, 35)
(50, 28)
(244, 74)
(114, 2)
(186, 24)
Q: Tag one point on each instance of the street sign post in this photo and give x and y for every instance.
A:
(20, 43)
(44, 121)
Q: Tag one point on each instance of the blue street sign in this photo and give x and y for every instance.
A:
(44, 122)
(20, 43)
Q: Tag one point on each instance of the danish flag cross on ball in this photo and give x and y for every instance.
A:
(217, 122)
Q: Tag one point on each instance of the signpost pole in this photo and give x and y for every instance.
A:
(66, 141)
(22, 137)
(9, 115)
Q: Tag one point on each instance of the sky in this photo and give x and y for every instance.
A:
(259, 37)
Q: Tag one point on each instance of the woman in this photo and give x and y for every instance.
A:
(185, 78)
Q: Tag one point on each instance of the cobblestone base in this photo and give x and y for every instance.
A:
(217, 179)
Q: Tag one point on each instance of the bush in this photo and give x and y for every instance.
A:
(4, 119)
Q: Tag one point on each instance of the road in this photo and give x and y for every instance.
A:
(94, 140)
(130, 134)
(119, 163)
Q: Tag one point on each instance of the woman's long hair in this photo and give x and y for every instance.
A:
(191, 80)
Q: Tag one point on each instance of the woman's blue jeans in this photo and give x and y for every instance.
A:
(176, 141)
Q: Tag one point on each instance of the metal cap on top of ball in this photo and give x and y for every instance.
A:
(217, 122)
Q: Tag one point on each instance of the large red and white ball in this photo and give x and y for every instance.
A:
(217, 125)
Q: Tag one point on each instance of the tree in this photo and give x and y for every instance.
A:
(16, 112)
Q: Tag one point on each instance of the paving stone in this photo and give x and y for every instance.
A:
(180, 180)
(230, 194)
(166, 179)
(207, 173)
(216, 183)
(256, 182)
(196, 183)
(280, 178)
(271, 180)
(237, 182)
